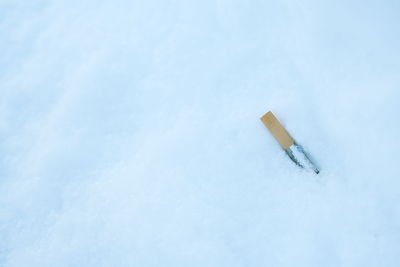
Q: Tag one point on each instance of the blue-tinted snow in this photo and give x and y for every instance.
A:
(130, 133)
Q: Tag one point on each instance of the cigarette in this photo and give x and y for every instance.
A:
(295, 151)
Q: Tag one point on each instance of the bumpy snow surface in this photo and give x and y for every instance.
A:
(130, 133)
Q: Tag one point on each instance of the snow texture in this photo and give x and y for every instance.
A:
(130, 133)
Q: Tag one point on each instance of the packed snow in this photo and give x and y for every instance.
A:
(130, 133)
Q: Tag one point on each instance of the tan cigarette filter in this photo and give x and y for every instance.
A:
(277, 130)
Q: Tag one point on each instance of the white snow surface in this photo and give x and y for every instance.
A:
(130, 133)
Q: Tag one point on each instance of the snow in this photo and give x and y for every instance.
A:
(130, 133)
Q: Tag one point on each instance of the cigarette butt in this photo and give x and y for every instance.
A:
(277, 130)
